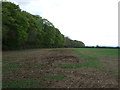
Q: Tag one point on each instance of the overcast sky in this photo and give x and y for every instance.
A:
(95, 22)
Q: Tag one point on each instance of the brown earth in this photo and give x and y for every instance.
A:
(50, 59)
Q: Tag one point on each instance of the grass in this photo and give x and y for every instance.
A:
(90, 61)
(100, 58)
(84, 56)
(91, 56)
(7, 60)
(77, 65)
(101, 51)
(110, 84)
(15, 65)
(30, 83)
(23, 83)
(11, 66)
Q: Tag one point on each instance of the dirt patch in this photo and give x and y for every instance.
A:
(37, 64)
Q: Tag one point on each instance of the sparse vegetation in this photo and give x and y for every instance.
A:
(78, 65)
(90, 61)
(46, 68)
(11, 66)
(23, 83)
(110, 84)
(6, 60)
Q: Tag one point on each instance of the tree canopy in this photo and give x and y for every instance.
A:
(21, 29)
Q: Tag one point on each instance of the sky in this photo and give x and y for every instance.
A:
(94, 22)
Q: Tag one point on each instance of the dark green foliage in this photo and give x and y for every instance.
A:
(14, 26)
(73, 43)
(21, 29)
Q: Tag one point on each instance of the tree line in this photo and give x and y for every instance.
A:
(21, 30)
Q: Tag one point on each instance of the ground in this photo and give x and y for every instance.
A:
(60, 68)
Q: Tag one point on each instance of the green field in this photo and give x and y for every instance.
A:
(61, 68)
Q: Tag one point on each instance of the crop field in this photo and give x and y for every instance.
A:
(60, 68)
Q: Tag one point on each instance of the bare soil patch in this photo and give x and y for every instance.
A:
(42, 65)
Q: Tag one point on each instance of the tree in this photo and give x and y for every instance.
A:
(14, 25)
(73, 43)
(24, 30)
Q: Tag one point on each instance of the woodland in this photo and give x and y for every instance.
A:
(22, 30)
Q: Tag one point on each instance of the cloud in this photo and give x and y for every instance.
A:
(21, 2)
(92, 21)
